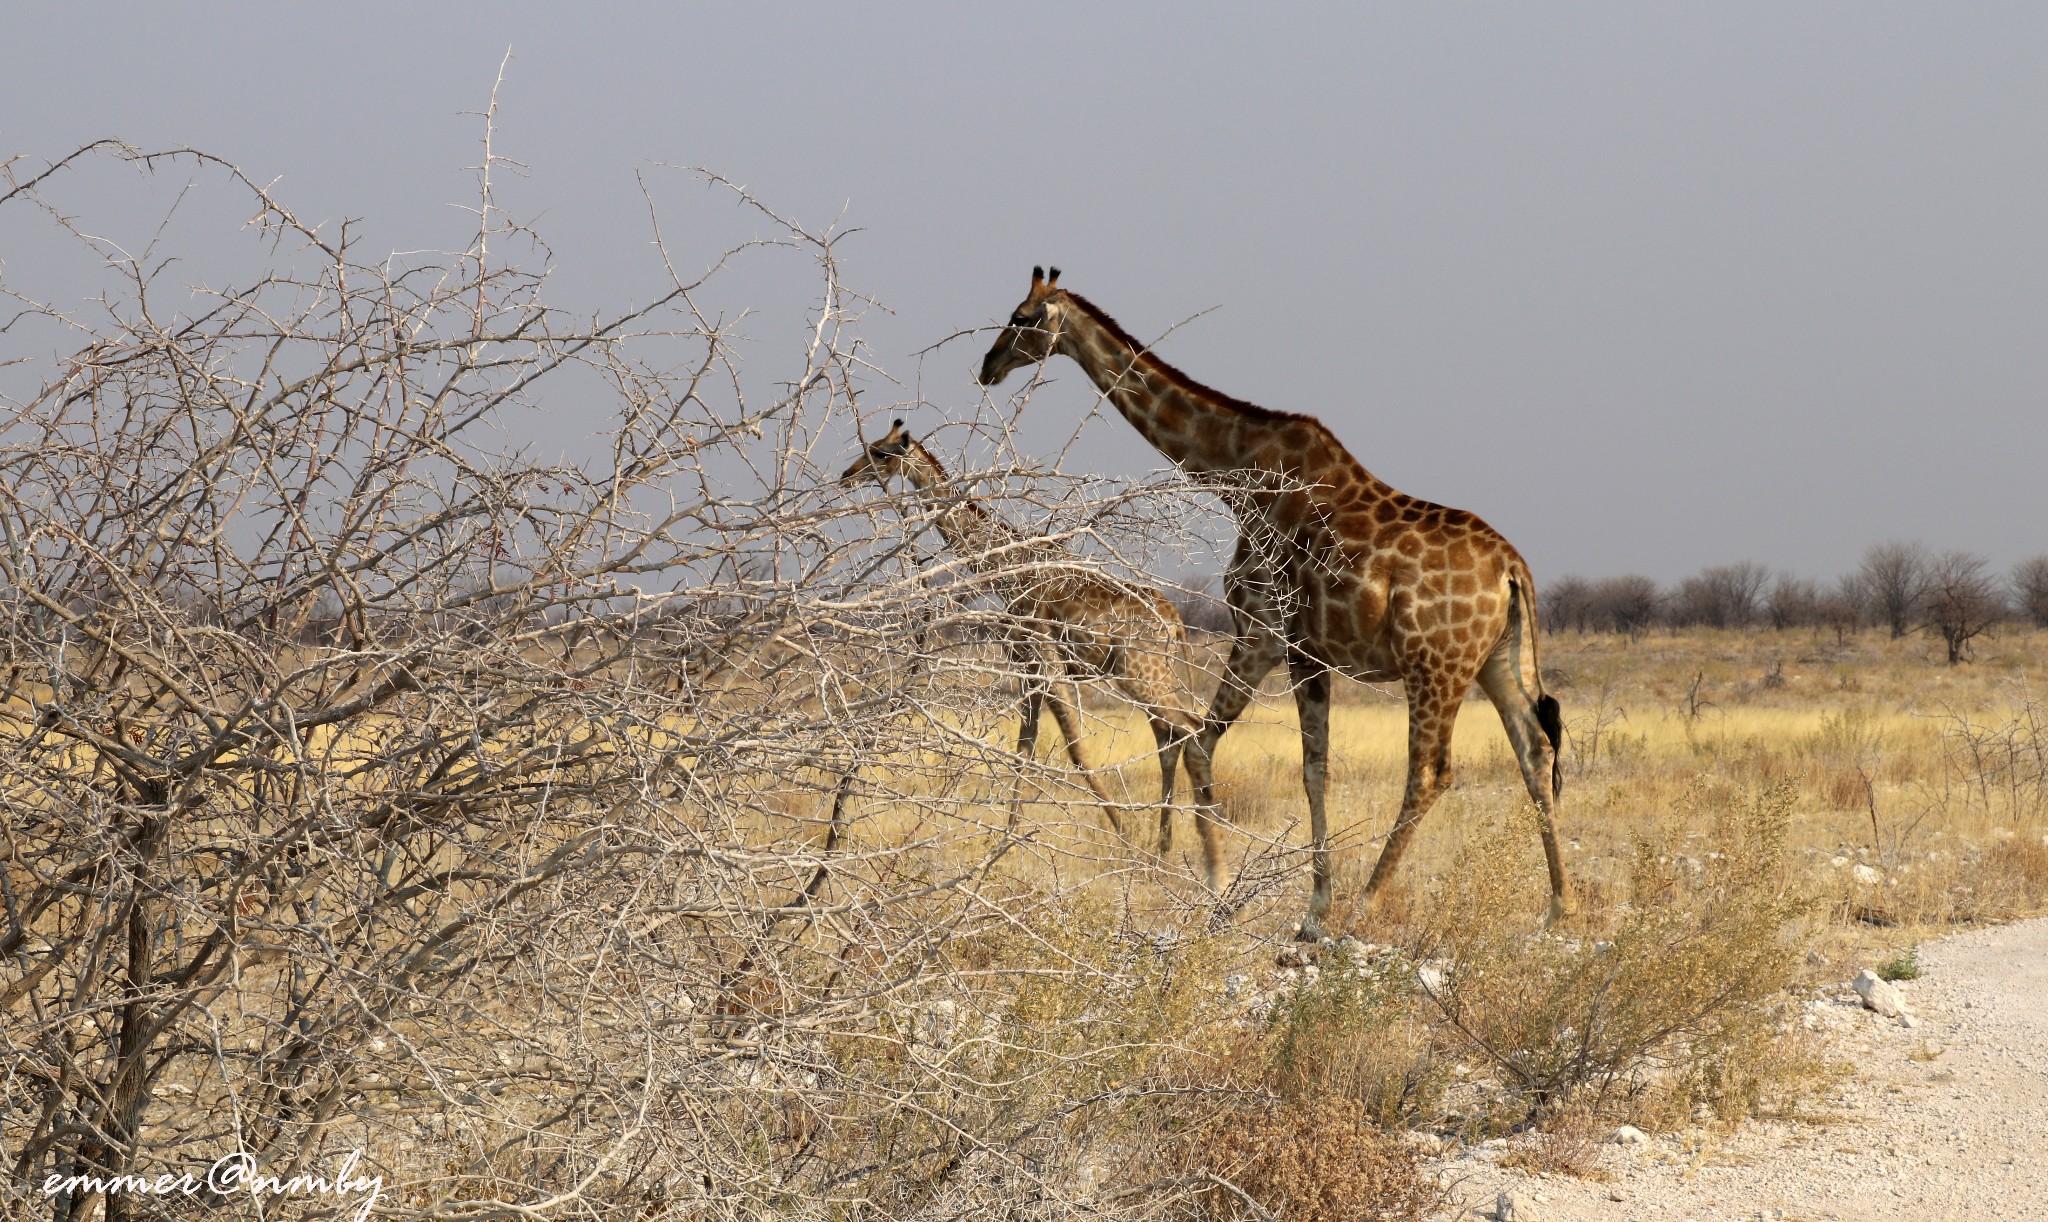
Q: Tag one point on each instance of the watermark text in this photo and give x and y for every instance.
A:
(230, 1174)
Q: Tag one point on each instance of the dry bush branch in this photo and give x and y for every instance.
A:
(563, 835)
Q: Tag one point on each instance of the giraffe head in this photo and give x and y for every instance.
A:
(1033, 332)
(897, 453)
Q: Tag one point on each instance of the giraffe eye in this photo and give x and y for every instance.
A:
(1020, 321)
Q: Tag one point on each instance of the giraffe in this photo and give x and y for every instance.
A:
(1334, 571)
(1073, 623)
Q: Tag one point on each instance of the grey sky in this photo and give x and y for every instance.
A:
(1648, 287)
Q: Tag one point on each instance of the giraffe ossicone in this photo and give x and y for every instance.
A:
(1334, 571)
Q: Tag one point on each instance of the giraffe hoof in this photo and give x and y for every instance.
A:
(1310, 930)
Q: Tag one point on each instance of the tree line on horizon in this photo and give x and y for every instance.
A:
(1901, 587)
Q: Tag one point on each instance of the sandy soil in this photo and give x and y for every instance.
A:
(1944, 1120)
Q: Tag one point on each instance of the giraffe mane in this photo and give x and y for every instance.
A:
(1243, 407)
(930, 459)
(969, 504)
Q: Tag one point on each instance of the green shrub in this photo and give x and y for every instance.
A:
(1902, 966)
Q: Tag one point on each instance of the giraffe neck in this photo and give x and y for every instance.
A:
(1200, 429)
(968, 528)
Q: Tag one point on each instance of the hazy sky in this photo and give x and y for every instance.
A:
(1649, 287)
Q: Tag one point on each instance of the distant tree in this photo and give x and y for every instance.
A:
(1794, 602)
(1850, 593)
(1627, 605)
(1842, 608)
(1894, 577)
(1566, 604)
(2030, 590)
(1693, 604)
(1962, 600)
(1839, 617)
(1725, 596)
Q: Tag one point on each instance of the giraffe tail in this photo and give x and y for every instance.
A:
(1551, 717)
(1549, 714)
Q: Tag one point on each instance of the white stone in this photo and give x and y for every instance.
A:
(1515, 1207)
(1867, 876)
(1428, 1145)
(1907, 1020)
(1877, 994)
(1628, 1135)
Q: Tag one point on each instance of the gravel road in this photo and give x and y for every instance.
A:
(1945, 1120)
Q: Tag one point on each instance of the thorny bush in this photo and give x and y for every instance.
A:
(562, 835)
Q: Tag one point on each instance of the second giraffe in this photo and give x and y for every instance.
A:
(1068, 622)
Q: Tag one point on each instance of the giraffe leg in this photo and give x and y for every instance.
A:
(1027, 730)
(1504, 684)
(1171, 731)
(1432, 713)
(1144, 669)
(1312, 703)
(1027, 722)
(1252, 658)
(1064, 695)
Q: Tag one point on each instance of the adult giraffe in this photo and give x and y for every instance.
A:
(1334, 570)
(1070, 622)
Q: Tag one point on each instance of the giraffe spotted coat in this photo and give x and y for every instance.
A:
(1334, 570)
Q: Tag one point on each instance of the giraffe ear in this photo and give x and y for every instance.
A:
(1037, 274)
(1053, 279)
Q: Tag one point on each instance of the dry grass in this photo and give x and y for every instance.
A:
(1747, 815)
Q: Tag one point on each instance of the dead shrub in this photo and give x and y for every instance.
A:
(1044, 1027)
(1848, 790)
(2017, 870)
(1317, 1158)
(1680, 1003)
(1995, 762)
(1567, 1144)
(1359, 1032)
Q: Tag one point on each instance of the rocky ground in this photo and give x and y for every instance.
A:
(1946, 1117)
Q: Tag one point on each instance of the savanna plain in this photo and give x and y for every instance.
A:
(642, 835)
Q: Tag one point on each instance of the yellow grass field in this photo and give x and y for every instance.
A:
(1932, 777)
